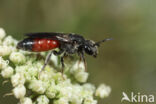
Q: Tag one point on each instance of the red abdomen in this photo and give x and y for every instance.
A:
(44, 45)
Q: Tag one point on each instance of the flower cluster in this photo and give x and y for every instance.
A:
(23, 69)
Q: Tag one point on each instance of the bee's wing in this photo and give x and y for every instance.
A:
(51, 35)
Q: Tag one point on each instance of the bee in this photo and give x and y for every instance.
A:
(68, 44)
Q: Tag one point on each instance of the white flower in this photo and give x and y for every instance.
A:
(89, 100)
(52, 91)
(65, 91)
(77, 66)
(5, 51)
(7, 72)
(17, 79)
(42, 100)
(58, 77)
(28, 71)
(89, 87)
(81, 76)
(9, 41)
(76, 99)
(3, 63)
(17, 58)
(19, 91)
(31, 70)
(54, 59)
(21, 69)
(26, 100)
(38, 86)
(2, 33)
(78, 70)
(44, 75)
(62, 100)
(103, 91)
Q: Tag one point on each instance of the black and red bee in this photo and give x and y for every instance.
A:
(67, 43)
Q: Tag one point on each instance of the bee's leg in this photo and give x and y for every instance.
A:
(49, 55)
(62, 62)
(62, 58)
(58, 53)
(79, 54)
(45, 63)
(84, 60)
(46, 60)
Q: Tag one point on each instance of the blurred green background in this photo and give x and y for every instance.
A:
(127, 63)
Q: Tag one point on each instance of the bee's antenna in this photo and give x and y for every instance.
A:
(99, 42)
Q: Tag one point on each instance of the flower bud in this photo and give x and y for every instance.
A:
(62, 100)
(26, 100)
(103, 91)
(76, 100)
(17, 58)
(2, 33)
(81, 76)
(42, 100)
(89, 87)
(19, 91)
(44, 76)
(77, 66)
(3, 63)
(78, 70)
(17, 79)
(5, 51)
(90, 100)
(7, 72)
(51, 91)
(38, 86)
(8, 41)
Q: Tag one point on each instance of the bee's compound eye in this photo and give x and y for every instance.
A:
(88, 50)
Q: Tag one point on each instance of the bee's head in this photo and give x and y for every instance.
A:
(91, 47)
